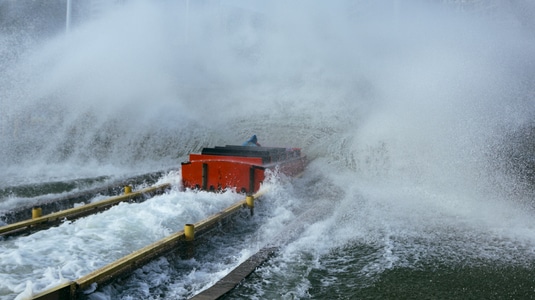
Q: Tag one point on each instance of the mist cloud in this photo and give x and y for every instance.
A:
(408, 76)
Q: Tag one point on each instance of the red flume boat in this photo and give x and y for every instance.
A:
(239, 167)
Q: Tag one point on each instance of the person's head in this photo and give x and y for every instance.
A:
(253, 139)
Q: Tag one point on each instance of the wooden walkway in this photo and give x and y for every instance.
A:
(227, 283)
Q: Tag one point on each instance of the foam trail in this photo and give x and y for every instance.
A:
(74, 249)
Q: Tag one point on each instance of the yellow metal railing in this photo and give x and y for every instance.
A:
(136, 259)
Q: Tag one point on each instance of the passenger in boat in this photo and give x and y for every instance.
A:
(253, 141)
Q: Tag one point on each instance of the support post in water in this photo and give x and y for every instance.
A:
(249, 200)
(37, 212)
(189, 235)
(189, 232)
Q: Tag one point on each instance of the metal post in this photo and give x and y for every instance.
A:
(189, 232)
(249, 200)
(37, 212)
(68, 17)
(189, 236)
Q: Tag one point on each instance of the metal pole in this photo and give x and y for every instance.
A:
(68, 17)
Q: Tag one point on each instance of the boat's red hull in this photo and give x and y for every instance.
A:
(239, 167)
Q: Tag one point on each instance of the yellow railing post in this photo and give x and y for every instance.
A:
(249, 200)
(189, 232)
(37, 212)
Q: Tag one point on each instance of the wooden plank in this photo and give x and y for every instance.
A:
(61, 292)
(227, 283)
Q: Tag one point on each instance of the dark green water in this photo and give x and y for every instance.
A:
(333, 278)
(454, 282)
(393, 256)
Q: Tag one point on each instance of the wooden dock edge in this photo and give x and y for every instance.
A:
(229, 282)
